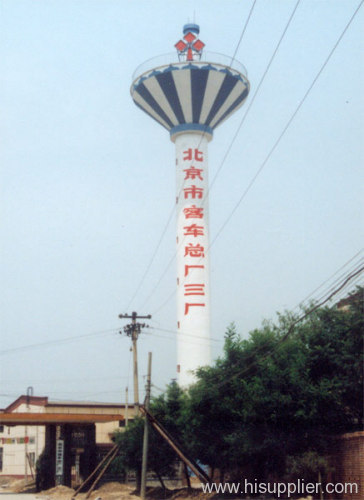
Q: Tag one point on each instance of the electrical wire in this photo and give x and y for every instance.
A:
(129, 365)
(329, 278)
(242, 197)
(184, 334)
(57, 381)
(151, 259)
(338, 280)
(254, 96)
(348, 279)
(184, 341)
(353, 268)
(243, 33)
(158, 388)
(58, 341)
(268, 353)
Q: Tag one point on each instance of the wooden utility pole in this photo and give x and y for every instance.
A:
(146, 430)
(126, 406)
(133, 330)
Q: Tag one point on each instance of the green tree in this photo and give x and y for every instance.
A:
(161, 458)
(269, 404)
(279, 393)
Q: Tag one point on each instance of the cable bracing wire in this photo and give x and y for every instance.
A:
(243, 33)
(268, 353)
(58, 341)
(330, 277)
(184, 334)
(332, 286)
(255, 94)
(152, 258)
(281, 135)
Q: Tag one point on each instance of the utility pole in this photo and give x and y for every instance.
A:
(126, 406)
(146, 430)
(30, 392)
(133, 330)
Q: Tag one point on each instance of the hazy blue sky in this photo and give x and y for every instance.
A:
(88, 180)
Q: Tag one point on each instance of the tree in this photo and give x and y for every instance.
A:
(270, 403)
(280, 393)
(161, 458)
(43, 469)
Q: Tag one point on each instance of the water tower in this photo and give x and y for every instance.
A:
(190, 93)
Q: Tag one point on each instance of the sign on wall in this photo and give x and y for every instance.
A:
(59, 457)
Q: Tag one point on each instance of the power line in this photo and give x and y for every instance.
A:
(152, 258)
(328, 289)
(255, 94)
(329, 278)
(353, 268)
(81, 337)
(338, 280)
(243, 32)
(270, 352)
(58, 341)
(286, 127)
(184, 334)
(56, 381)
(185, 341)
(348, 279)
(264, 354)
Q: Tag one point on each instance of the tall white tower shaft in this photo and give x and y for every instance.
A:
(193, 287)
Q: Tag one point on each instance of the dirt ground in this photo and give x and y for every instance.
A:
(113, 491)
(109, 491)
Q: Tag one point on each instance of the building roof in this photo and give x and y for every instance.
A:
(56, 418)
(45, 402)
(31, 400)
(350, 300)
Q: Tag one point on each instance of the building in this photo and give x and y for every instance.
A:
(31, 423)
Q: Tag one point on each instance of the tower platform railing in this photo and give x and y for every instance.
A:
(173, 59)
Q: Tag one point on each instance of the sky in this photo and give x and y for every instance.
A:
(88, 182)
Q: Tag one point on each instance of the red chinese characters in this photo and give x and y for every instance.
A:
(187, 268)
(193, 154)
(194, 289)
(193, 230)
(196, 250)
(193, 173)
(188, 305)
(193, 191)
(193, 212)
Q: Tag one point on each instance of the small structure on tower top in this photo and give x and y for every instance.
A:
(190, 48)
